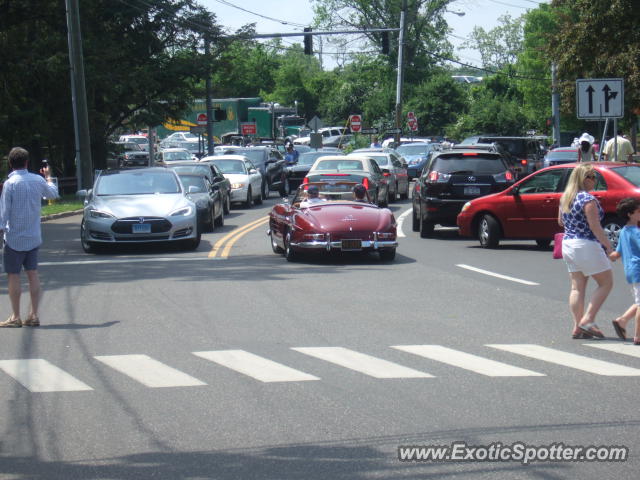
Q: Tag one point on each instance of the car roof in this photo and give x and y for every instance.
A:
(224, 157)
(174, 149)
(345, 157)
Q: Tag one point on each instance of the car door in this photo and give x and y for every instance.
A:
(378, 179)
(275, 167)
(255, 177)
(401, 173)
(533, 210)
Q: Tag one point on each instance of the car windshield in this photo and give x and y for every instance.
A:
(139, 140)
(187, 169)
(339, 165)
(231, 166)
(193, 147)
(137, 183)
(515, 147)
(132, 147)
(381, 160)
(631, 173)
(256, 156)
(177, 156)
(568, 155)
(193, 181)
(473, 165)
(309, 158)
(409, 149)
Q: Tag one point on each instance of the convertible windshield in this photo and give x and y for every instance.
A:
(231, 166)
(137, 183)
(339, 165)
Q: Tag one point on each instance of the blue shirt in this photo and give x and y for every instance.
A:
(20, 207)
(575, 222)
(291, 157)
(629, 248)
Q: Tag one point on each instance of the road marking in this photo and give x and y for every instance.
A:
(400, 221)
(127, 261)
(38, 375)
(497, 275)
(467, 361)
(622, 348)
(148, 371)
(360, 362)
(233, 236)
(571, 360)
(256, 367)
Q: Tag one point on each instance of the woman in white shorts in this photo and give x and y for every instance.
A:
(585, 249)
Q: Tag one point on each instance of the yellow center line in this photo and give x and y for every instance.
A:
(237, 231)
(227, 247)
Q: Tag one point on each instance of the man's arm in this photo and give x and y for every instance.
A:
(51, 190)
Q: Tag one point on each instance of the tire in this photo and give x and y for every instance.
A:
(415, 225)
(387, 254)
(227, 205)
(405, 195)
(425, 226)
(249, 201)
(612, 226)
(212, 220)
(219, 222)
(543, 242)
(192, 243)
(385, 203)
(275, 247)
(87, 246)
(289, 253)
(264, 190)
(488, 232)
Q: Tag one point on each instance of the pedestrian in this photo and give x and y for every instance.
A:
(625, 150)
(585, 148)
(580, 214)
(375, 143)
(20, 206)
(291, 156)
(629, 249)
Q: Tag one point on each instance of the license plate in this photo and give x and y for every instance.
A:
(472, 190)
(352, 244)
(141, 228)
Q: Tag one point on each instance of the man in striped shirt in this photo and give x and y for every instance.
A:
(20, 206)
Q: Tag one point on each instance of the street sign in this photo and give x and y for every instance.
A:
(356, 123)
(394, 130)
(315, 124)
(248, 129)
(413, 124)
(201, 119)
(598, 98)
(411, 115)
(369, 131)
(199, 130)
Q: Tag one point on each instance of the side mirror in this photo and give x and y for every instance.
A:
(82, 194)
(194, 189)
(252, 171)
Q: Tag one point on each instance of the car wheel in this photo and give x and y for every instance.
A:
(87, 246)
(415, 225)
(385, 203)
(192, 243)
(612, 226)
(387, 254)
(249, 201)
(212, 220)
(289, 253)
(227, 205)
(489, 232)
(543, 242)
(426, 228)
(219, 222)
(274, 246)
(405, 195)
(264, 190)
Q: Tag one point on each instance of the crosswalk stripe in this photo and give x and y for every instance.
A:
(360, 362)
(474, 363)
(255, 366)
(38, 375)
(148, 371)
(570, 360)
(623, 348)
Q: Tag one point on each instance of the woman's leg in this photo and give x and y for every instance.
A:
(605, 284)
(576, 296)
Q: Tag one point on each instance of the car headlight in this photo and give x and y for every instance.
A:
(465, 206)
(236, 186)
(181, 212)
(99, 214)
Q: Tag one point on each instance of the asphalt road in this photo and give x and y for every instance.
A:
(158, 363)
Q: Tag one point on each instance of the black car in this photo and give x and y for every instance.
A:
(269, 162)
(213, 174)
(296, 173)
(207, 198)
(126, 154)
(526, 153)
(453, 178)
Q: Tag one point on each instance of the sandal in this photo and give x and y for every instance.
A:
(621, 332)
(591, 329)
(578, 334)
(32, 321)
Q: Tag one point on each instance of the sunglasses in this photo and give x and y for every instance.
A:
(591, 177)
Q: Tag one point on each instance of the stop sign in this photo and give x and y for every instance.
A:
(356, 123)
(201, 119)
(413, 124)
(411, 115)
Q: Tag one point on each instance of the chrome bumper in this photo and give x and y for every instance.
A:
(329, 245)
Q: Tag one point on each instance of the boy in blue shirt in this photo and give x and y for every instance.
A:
(629, 249)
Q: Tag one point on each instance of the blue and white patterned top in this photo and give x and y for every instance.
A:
(20, 207)
(575, 222)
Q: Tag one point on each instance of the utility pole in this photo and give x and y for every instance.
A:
(207, 83)
(555, 104)
(84, 164)
(400, 77)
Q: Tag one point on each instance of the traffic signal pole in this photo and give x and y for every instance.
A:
(400, 77)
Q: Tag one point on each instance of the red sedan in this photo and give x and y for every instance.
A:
(334, 223)
(529, 209)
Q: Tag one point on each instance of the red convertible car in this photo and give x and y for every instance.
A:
(336, 222)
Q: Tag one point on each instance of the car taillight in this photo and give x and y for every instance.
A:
(469, 154)
(433, 176)
(305, 180)
(365, 183)
(508, 175)
(386, 174)
(523, 161)
(438, 177)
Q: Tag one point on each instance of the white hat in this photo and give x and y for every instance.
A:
(587, 138)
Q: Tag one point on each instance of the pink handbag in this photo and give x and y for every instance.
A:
(557, 245)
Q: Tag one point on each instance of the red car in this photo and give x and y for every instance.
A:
(529, 208)
(336, 223)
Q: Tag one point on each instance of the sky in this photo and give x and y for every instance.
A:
(278, 16)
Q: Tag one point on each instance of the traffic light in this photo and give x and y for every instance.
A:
(385, 43)
(219, 114)
(308, 42)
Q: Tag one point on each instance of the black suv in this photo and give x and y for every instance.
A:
(452, 178)
(526, 153)
(269, 162)
(126, 154)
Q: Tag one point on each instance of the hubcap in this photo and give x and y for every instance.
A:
(484, 231)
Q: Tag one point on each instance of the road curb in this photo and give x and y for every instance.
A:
(55, 216)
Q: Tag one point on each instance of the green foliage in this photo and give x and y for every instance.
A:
(499, 46)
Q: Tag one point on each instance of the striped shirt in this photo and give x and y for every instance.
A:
(20, 207)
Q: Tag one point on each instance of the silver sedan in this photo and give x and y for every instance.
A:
(138, 206)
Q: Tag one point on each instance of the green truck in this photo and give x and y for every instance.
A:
(249, 117)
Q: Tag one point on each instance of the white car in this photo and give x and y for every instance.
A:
(182, 137)
(245, 178)
(139, 139)
(169, 155)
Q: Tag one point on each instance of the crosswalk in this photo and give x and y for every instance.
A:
(38, 375)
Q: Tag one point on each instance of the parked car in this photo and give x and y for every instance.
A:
(133, 206)
(126, 154)
(344, 168)
(528, 210)
(393, 166)
(336, 224)
(295, 173)
(170, 155)
(526, 152)
(246, 180)
(208, 200)
(453, 178)
(269, 161)
(561, 155)
(214, 176)
(417, 155)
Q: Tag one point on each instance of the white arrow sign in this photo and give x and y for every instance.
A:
(598, 98)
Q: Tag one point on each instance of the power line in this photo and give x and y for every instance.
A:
(284, 22)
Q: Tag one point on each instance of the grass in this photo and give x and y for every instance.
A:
(66, 203)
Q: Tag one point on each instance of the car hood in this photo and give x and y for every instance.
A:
(123, 206)
(236, 177)
(345, 216)
(415, 158)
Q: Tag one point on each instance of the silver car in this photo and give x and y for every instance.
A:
(246, 180)
(138, 206)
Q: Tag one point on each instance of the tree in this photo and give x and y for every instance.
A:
(499, 46)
